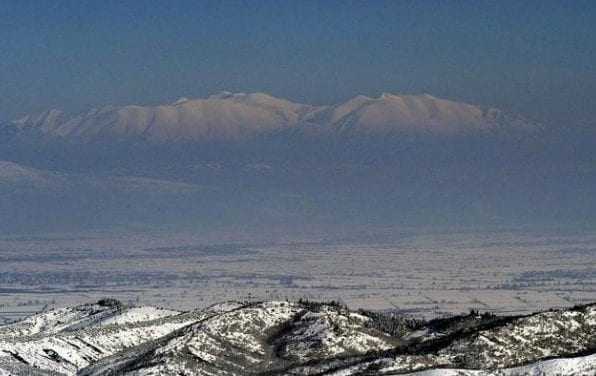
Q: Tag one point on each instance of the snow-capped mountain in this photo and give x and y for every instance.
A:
(224, 116)
(391, 114)
(236, 117)
(294, 338)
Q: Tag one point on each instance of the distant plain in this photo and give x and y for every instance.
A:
(421, 273)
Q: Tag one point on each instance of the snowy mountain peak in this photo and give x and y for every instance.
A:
(180, 100)
(385, 95)
(224, 94)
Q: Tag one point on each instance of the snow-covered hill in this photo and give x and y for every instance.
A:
(294, 338)
(236, 117)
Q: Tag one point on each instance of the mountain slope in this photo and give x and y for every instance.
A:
(294, 338)
(84, 334)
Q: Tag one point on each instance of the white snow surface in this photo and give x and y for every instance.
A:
(579, 366)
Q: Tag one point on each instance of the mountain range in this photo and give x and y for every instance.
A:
(253, 158)
(295, 338)
(239, 117)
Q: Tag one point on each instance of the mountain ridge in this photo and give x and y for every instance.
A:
(295, 337)
(232, 117)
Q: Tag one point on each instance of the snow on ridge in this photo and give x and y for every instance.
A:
(139, 314)
(67, 339)
(298, 338)
(578, 366)
(54, 321)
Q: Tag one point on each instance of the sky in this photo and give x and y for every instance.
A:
(537, 58)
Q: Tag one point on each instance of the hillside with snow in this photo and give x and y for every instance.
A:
(239, 117)
(294, 338)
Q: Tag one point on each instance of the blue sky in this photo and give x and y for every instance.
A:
(534, 57)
